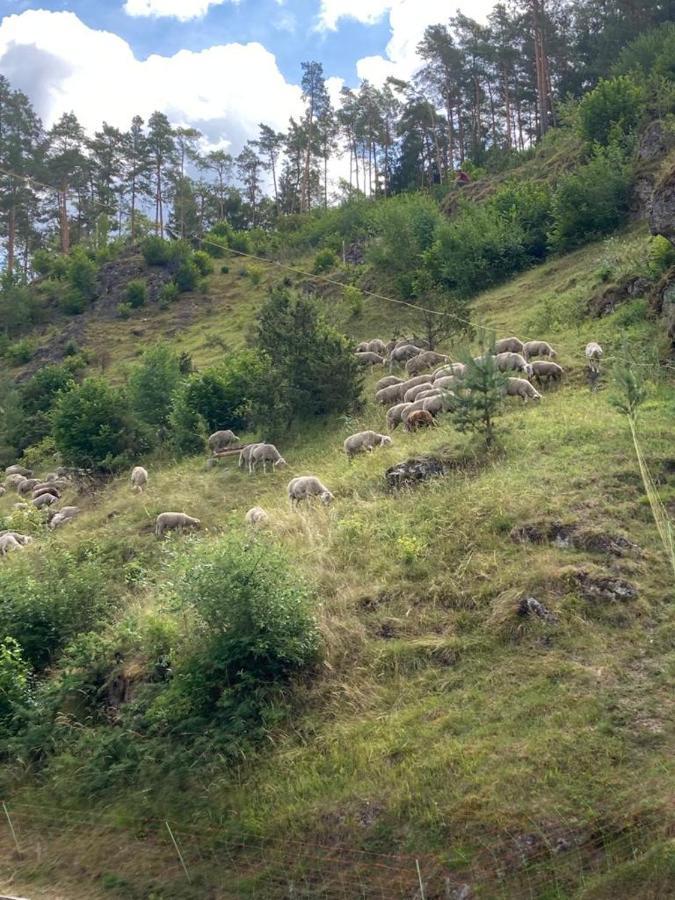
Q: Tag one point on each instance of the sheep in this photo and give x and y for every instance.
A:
(168, 521)
(413, 393)
(412, 407)
(594, 355)
(23, 539)
(139, 478)
(457, 369)
(377, 346)
(369, 359)
(420, 418)
(14, 480)
(547, 371)
(63, 515)
(519, 387)
(364, 441)
(447, 382)
(538, 348)
(59, 484)
(41, 489)
(403, 353)
(9, 542)
(245, 455)
(392, 394)
(265, 453)
(28, 484)
(394, 415)
(362, 347)
(221, 440)
(509, 345)
(44, 500)
(431, 392)
(426, 360)
(388, 381)
(513, 362)
(306, 486)
(256, 516)
(438, 404)
(19, 470)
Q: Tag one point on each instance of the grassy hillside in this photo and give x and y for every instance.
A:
(519, 756)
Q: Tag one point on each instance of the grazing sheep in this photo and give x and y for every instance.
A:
(139, 478)
(426, 360)
(23, 539)
(419, 418)
(403, 353)
(546, 371)
(513, 362)
(377, 346)
(306, 486)
(41, 489)
(170, 521)
(257, 516)
(364, 441)
(538, 348)
(594, 355)
(245, 455)
(59, 484)
(456, 369)
(509, 345)
(388, 381)
(9, 542)
(44, 500)
(28, 484)
(441, 403)
(63, 515)
(519, 387)
(430, 392)
(391, 394)
(265, 453)
(14, 480)
(221, 440)
(394, 415)
(362, 347)
(412, 407)
(51, 476)
(19, 470)
(369, 359)
(447, 382)
(413, 393)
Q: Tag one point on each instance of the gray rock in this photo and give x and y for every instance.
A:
(661, 214)
(413, 471)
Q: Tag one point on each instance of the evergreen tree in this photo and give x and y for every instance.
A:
(481, 397)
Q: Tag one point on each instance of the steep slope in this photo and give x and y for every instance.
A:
(508, 754)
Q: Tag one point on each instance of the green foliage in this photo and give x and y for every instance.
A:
(611, 110)
(255, 273)
(312, 362)
(405, 228)
(591, 201)
(93, 426)
(481, 397)
(239, 649)
(661, 256)
(324, 261)
(37, 397)
(188, 427)
(46, 602)
(157, 252)
(136, 293)
(123, 310)
(528, 205)
(203, 262)
(224, 269)
(20, 307)
(168, 293)
(81, 274)
(651, 53)
(20, 352)
(152, 384)
(354, 299)
(187, 276)
(14, 681)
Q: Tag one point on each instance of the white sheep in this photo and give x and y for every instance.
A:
(441, 403)
(413, 393)
(221, 440)
(44, 500)
(425, 360)
(543, 370)
(369, 359)
(403, 353)
(9, 542)
(365, 442)
(594, 355)
(509, 345)
(139, 478)
(170, 521)
(538, 348)
(388, 381)
(27, 485)
(377, 346)
(306, 486)
(265, 453)
(430, 392)
(447, 382)
(245, 454)
(63, 515)
(394, 415)
(42, 489)
(14, 479)
(513, 362)
(457, 369)
(19, 470)
(391, 394)
(256, 516)
(519, 387)
(23, 539)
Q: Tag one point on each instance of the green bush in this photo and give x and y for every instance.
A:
(405, 227)
(240, 649)
(136, 293)
(168, 293)
(19, 353)
(255, 273)
(528, 205)
(324, 261)
(72, 302)
(224, 269)
(156, 251)
(152, 384)
(610, 110)
(661, 255)
(81, 274)
(187, 426)
(591, 201)
(354, 299)
(203, 262)
(123, 310)
(14, 682)
(186, 277)
(93, 426)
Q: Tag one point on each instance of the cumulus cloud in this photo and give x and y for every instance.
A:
(183, 10)
(64, 65)
(408, 20)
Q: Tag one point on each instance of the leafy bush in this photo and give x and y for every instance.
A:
(168, 293)
(224, 269)
(93, 426)
(324, 261)
(152, 385)
(241, 648)
(188, 427)
(37, 397)
(610, 110)
(203, 262)
(591, 201)
(156, 251)
(354, 299)
(81, 273)
(480, 403)
(19, 353)
(186, 276)
(72, 302)
(651, 53)
(123, 310)
(661, 255)
(528, 205)
(14, 681)
(255, 273)
(136, 293)
(405, 228)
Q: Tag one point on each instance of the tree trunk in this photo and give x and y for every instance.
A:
(63, 216)
(11, 236)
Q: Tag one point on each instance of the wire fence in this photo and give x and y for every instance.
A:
(159, 858)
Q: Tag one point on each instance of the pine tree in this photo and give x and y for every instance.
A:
(481, 397)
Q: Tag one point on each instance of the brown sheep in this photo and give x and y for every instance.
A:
(420, 418)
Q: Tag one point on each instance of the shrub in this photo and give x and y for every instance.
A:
(481, 402)
(354, 299)
(224, 269)
(168, 293)
(136, 293)
(203, 262)
(257, 640)
(123, 310)
(405, 228)
(528, 205)
(661, 255)
(610, 110)
(152, 385)
(189, 430)
(19, 353)
(591, 201)
(255, 273)
(81, 273)
(156, 251)
(72, 302)
(14, 681)
(186, 276)
(93, 426)
(324, 261)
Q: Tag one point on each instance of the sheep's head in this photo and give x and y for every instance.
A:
(529, 370)
(386, 440)
(326, 497)
(536, 396)
(280, 462)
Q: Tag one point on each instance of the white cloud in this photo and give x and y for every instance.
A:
(408, 20)
(183, 10)
(63, 65)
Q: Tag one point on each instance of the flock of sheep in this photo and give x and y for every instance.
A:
(414, 401)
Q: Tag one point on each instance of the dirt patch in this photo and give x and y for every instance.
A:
(598, 586)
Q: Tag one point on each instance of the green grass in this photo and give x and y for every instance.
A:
(441, 724)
